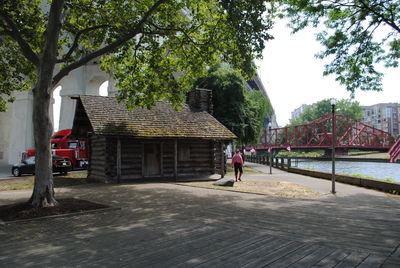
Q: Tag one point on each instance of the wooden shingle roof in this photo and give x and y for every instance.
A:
(109, 117)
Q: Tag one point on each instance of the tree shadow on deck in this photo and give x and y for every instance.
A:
(161, 223)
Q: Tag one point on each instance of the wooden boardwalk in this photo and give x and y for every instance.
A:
(168, 225)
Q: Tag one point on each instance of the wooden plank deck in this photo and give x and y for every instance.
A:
(168, 225)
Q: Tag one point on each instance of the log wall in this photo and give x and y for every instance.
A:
(201, 159)
(131, 159)
(194, 157)
(97, 161)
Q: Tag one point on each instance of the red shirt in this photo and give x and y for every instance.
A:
(237, 158)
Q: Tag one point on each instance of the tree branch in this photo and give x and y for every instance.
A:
(76, 41)
(361, 48)
(136, 50)
(16, 35)
(175, 30)
(386, 20)
(114, 45)
(48, 57)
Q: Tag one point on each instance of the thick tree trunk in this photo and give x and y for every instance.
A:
(43, 191)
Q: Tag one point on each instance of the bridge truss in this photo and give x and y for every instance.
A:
(350, 134)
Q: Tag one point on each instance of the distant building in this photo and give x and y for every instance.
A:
(384, 116)
(297, 112)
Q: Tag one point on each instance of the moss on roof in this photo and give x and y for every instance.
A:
(110, 117)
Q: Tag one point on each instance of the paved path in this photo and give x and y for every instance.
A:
(169, 225)
(5, 171)
(320, 185)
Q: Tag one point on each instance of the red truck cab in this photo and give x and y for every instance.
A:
(60, 139)
(64, 146)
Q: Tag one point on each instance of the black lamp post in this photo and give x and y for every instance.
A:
(333, 103)
(270, 148)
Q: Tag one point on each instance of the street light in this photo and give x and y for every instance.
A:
(333, 103)
(269, 147)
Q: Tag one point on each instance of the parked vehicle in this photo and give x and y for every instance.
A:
(63, 145)
(27, 166)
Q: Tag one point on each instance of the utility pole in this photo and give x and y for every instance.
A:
(270, 147)
(333, 103)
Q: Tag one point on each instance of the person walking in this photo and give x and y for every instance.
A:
(237, 163)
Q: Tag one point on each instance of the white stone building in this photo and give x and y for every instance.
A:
(16, 128)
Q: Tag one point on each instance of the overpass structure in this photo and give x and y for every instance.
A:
(318, 134)
(16, 128)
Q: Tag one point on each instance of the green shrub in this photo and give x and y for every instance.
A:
(317, 153)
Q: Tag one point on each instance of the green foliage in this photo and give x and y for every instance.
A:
(258, 108)
(154, 49)
(349, 107)
(240, 110)
(317, 153)
(323, 107)
(358, 36)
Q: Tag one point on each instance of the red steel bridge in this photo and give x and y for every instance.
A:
(349, 134)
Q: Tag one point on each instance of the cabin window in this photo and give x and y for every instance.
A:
(184, 152)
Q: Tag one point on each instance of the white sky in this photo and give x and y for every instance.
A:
(292, 76)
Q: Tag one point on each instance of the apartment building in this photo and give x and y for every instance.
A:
(298, 111)
(384, 116)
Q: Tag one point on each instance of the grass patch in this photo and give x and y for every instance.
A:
(310, 168)
(377, 155)
(362, 176)
(282, 189)
(26, 182)
(16, 184)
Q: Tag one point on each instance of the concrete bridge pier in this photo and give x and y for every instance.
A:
(84, 80)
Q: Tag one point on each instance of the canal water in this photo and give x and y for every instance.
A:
(377, 170)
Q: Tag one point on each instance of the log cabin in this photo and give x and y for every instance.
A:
(160, 142)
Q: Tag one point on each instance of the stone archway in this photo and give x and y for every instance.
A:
(94, 84)
(85, 80)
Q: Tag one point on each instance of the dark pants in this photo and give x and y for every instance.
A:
(238, 167)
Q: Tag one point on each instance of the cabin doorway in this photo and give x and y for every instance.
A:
(152, 160)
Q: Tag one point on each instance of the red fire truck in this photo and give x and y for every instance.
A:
(64, 146)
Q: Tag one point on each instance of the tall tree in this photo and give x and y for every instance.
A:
(240, 110)
(323, 107)
(359, 35)
(141, 43)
